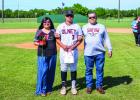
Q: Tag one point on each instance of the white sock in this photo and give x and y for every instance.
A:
(73, 83)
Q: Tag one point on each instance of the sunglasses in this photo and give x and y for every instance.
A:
(69, 16)
(92, 17)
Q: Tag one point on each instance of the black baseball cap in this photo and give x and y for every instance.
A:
(69, 12)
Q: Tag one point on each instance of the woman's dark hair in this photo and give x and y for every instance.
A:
(136, 18)
(45, 19)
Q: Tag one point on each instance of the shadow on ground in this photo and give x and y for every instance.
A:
(109, 82)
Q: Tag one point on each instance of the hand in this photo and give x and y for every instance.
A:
(46, 37)
(57, 35)
(41, 43)
(71, 48)
(36, 43)
(110, 54)
(65, 48)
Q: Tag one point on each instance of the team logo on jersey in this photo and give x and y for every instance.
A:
(68, 31)
(93, 31)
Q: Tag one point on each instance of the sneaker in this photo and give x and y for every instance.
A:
(43, 95)
(49, 93)
(63, 90)
(88, 90)
(138, 45)
(74, 91)
(101, 90)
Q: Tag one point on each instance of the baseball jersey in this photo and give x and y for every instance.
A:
(69, 33)
(68, 36)
(95, 36)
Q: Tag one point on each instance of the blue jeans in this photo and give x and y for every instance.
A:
(46, 74)
(138, 38)
(99, 62)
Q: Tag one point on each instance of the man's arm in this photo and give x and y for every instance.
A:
(79, 40)
(108, 44)
(58, 41)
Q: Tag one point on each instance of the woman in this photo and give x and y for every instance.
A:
(134, 29)
(46, 42)
(138, 29)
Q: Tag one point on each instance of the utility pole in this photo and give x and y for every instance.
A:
(137, 11)
(2, 11)
(18, 10)
(63, 4)
(118, 11)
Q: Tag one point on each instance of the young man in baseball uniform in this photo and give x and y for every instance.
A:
(69, 36)
(95, 36)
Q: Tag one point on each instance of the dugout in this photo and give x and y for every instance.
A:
(60, 18)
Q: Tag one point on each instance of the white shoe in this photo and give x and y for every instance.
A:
(63, 90)
(74, 91)
(138, 45)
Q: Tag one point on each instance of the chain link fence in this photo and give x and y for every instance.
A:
(20, 20)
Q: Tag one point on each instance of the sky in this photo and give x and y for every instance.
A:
(52, 4)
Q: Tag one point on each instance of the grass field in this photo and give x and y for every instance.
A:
(32, 23)
(18, 71)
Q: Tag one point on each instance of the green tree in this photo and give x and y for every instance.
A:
(100, 12)
(79, 9)
(8, 13)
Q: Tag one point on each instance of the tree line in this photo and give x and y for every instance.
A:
(77, 8)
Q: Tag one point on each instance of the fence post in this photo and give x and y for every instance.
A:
(2, 11)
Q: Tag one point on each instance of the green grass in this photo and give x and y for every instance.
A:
(29, 25)
(115, 24)
(18, 25)
(18, 71)
(16, 38)
(32, 23)
(22, 25)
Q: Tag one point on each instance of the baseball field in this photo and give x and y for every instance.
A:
(18, 65)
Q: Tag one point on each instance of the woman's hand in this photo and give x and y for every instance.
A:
(40, 43)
